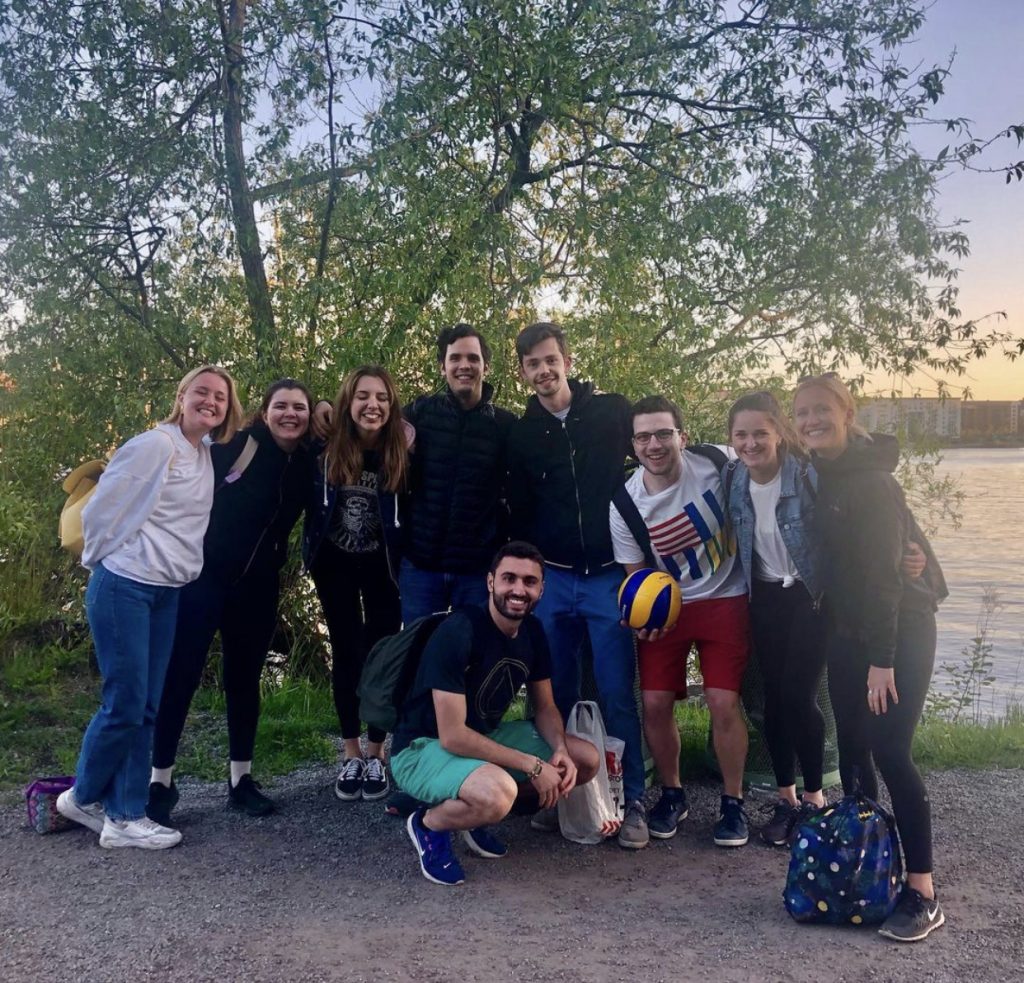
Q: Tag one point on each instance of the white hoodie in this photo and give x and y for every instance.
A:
(148, 516)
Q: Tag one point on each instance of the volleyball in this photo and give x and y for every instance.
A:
(649, 599)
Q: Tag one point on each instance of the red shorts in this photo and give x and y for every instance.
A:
(719, 628)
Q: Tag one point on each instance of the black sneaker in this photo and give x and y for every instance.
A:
(375, 780)
(246, 797)
(777, 830)
(731, 828)
(161, 801)
(349, 785)
(914, 918)
(671, 809)
(803, 814)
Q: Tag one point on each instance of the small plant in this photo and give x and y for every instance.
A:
(972, 677)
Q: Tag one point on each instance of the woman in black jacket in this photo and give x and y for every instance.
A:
(262, 482)
(880, 627)
(351, 549)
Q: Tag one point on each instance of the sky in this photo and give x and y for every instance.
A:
(986, 38)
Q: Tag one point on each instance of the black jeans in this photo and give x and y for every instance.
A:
(789, 644)
(246, 614)
(885, 740)
(360, 602)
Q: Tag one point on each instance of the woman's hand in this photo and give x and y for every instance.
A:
(881, 685)
(320, 422)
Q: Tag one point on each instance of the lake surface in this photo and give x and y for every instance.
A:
(985, 553)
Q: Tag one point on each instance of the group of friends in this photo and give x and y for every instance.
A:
(795, 545)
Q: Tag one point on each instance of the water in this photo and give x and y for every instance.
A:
(986, 552)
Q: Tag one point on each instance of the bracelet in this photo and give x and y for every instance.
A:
(538, 766)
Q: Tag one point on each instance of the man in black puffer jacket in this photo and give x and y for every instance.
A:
(456, 517)
(566, 459)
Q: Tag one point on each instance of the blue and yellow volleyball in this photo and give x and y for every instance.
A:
(649, 599)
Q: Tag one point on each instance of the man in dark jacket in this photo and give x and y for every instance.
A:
(566, 458)
(456, 517)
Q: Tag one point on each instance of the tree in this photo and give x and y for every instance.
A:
(706, 192)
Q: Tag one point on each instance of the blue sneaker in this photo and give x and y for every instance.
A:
(664, 819)
(484, 843)
(731, 828)
(437, 861)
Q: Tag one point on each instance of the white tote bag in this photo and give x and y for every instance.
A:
(589, 813)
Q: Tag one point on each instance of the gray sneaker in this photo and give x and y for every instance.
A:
(545, 820)
(633, 834)
(91, 816)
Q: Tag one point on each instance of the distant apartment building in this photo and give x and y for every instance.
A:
(985, 417)
(949, 418)
(917, 415)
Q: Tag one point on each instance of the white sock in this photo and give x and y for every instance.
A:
(161, 775)
(238, 769)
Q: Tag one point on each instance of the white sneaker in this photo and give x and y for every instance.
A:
(90, 816)
(142, 833)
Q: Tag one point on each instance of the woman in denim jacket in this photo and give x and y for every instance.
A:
(770, 492)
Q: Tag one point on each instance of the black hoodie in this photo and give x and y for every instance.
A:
(863, 525)
(562, 476)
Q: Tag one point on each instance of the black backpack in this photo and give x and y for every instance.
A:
(390, 671)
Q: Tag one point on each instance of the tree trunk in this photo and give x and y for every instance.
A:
(261, 312)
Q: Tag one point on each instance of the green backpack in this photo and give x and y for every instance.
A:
(390, 671)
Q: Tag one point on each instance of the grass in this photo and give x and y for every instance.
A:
(48, 693)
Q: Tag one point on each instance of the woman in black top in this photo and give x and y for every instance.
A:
(880, 627)
(351, 550)
(262, 481)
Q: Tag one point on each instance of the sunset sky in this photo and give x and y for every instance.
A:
(987, 86)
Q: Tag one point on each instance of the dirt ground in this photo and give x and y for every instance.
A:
(326, 890)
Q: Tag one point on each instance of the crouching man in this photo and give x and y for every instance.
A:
(450, 747)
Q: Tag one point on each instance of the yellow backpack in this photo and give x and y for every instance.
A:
(79, 485)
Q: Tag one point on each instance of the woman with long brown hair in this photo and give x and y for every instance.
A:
(351, 550)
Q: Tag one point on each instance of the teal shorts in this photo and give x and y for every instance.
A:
(428, 772)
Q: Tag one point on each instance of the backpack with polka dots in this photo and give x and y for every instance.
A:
(845, 867)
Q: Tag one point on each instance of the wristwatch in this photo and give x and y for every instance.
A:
(535, 771)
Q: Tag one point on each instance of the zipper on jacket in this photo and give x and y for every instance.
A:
(273, 519)
(383, 535)
(579, 504)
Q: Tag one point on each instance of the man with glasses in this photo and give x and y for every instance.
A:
(672, 513)
(566, 459)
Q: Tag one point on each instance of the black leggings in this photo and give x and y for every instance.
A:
(360, 602)
(886, 739)
(246, 614)
(789, 644)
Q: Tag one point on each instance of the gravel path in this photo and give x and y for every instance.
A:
(326, 890)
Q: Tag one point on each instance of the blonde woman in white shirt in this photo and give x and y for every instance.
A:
(144, 531)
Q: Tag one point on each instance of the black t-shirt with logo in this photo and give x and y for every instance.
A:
(469, 654)
(355, 525)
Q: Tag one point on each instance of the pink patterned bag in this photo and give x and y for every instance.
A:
(41, 799)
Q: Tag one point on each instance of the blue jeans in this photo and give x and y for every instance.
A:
(426, 591)
(133, 631)
(575, 607)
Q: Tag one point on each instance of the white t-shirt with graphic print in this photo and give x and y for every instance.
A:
(690, 534)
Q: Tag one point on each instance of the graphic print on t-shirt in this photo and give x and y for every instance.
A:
(498, 689)
(356, 526)
(695, 535)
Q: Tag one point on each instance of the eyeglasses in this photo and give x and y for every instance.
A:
(643, 438)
